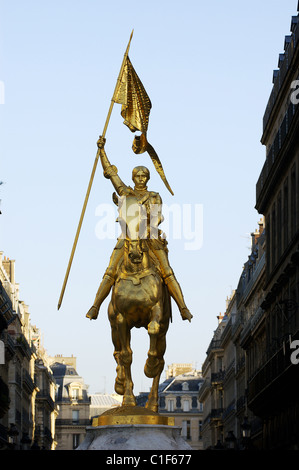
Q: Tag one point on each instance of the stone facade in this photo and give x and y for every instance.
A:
(227, 367)
(27, 386)
(271, 386)
(251, 367)
(178, 398)
(73, 403)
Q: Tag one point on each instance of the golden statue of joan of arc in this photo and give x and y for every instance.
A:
(139, 276)
(154, 238)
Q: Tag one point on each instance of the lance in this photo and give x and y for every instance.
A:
(92, 177)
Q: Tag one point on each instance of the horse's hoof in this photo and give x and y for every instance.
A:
(152, 367)
(152, 407)
(92, 313)
(129, 400)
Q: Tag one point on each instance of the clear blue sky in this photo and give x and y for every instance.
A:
(207, 67)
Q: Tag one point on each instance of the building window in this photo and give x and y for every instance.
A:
(279, 226)
(186, 405)
(285, 214)
(293, 201)
(75, 394)
(185, 386)
(273, 237)
(186, 430)
(199, 430)
(268, 241)
(170, 405)
(75, 416)
(76, 438)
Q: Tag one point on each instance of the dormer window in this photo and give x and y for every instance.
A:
(185, 386)
(75, 393)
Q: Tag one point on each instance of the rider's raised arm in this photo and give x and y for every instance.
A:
(110, 171)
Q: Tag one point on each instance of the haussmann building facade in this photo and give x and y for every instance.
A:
(251, 371)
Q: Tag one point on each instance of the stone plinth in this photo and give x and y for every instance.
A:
(134, 437)
(133, 428)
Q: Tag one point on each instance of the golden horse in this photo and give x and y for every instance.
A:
(139, 299)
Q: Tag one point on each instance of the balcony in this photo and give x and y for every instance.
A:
(255, 275)
(214, 345)
(45, 396)
(250, 325)
(27, 381)
(217, 378)
(216, 414)
(22, 343)
(70, 422)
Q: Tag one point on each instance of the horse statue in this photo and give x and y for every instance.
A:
(141, 279)
(139, 300)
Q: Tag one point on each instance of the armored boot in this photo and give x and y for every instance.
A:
(176, 293)
(103, 291)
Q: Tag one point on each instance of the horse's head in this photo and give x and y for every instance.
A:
(134, 250)
(136, 255)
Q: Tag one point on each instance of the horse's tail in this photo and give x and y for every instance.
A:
(167, 311)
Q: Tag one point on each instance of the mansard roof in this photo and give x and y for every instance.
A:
(61, 370)
(176, 384)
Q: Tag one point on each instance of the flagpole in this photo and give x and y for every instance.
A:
(91, 179)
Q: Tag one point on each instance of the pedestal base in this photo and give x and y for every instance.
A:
(131, 415)
(133, 437)
(133, 428)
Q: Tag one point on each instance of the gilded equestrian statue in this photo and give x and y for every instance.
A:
(141, 280)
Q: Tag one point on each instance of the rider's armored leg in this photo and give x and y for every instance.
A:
(175, 291)
(106, 284)
(103, 290)
(172, 284)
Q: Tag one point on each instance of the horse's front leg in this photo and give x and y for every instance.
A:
(153, 365)
(120, 373)
(125, 359)
(152, 402)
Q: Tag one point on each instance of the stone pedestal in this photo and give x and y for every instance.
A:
(134, 437)
(133, 428)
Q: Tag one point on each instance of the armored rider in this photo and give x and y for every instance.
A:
(157, 244)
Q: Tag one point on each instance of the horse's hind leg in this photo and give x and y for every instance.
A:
(152, 401)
